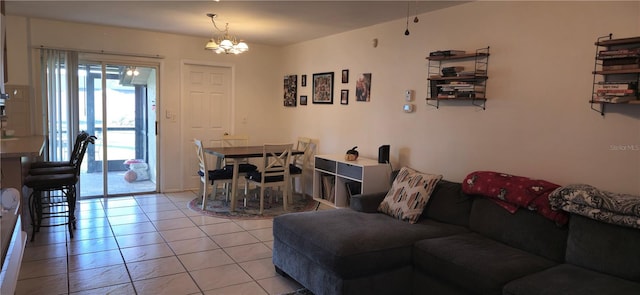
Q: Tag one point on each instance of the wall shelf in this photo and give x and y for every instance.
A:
(616, 73)
(448, 81)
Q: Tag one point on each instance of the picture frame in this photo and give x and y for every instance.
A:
(323, 88)
(363, 87)
(303, 100)
(344, 96)
(290, 90)
(303, 81)
(345, 76)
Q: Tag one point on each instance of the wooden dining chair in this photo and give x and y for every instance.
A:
(215, 177)
(300, 164)
(273, 171)
(244, 166)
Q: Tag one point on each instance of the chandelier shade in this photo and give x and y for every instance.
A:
(224, 43)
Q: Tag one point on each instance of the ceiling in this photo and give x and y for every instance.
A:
(275, 23)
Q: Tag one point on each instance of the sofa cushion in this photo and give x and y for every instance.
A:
(355, 244)
(524, 229)
(408, 195)
(568, 279)
(449, 204)
(604, 247)
(474, 262)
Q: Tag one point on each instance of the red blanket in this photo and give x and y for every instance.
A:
(513, 192)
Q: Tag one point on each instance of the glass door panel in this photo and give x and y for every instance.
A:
(118, 116)
(90, 114)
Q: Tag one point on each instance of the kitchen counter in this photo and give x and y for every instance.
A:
(15, 155)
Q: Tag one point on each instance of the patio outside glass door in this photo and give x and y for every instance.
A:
(117, 105)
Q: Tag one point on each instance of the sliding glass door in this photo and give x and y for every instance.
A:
(117, 105)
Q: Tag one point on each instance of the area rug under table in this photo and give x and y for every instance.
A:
(249, 209)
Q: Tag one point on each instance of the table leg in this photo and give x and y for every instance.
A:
(234, 185)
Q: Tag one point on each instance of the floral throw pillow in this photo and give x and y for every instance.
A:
(409, 195)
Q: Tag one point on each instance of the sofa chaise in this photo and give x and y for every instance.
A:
(461, 244)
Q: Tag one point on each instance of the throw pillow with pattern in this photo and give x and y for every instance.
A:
(409, 195)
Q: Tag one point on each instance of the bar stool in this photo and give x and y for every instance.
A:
(54, 193)
(82, 136)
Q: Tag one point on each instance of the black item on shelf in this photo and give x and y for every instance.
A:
(383, 153)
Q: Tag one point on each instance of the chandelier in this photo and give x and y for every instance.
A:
(224, 44)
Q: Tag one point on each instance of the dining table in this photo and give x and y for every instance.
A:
(238, 152)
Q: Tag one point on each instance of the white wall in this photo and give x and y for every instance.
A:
(537, 122)
(256, 78)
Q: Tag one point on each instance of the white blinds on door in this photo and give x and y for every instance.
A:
(59, 78)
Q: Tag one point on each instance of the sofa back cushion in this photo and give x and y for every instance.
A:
(604, 247)
(523, 229)
(449, 204)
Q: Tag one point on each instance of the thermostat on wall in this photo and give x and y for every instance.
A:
(408, 108)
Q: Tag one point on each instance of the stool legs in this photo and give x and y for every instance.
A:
(43, 205)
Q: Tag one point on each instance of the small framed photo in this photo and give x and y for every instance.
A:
(323, 88)
(290, 90)
(303, 81)
(345, 76)
(344, 96)
(303, 100)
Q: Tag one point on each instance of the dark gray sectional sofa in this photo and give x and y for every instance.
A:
(462, 244)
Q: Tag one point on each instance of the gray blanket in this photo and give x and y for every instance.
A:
(586, 200)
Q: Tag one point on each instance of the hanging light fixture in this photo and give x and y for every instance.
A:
(224, 44)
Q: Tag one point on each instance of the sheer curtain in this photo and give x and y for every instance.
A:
(59, 78)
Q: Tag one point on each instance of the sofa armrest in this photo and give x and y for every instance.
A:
(367, 203)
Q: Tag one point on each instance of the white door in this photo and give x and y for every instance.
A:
(206, 112)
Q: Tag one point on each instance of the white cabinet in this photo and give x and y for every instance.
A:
(334, 178)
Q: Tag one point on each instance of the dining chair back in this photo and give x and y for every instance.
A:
(215, 177)
(273, 171)
(300, 164)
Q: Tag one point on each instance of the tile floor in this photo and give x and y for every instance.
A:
(152, 244)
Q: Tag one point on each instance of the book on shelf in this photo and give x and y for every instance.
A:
(461, 94)
(328, 189)
(619, 53)
(621, 67)
(627, 51)
(449, 52)
(614, 99)
(615, 85)
(614, 92)
(472, 73)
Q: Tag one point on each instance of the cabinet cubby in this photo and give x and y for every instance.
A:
(335, 179)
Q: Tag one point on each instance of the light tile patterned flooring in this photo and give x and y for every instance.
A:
(152, 244)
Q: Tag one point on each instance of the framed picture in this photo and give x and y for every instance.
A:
(344, 96)
(345, 76)
(303, 81)
(303, 100)
(290, 90)
(323, 88)
(363, 87)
